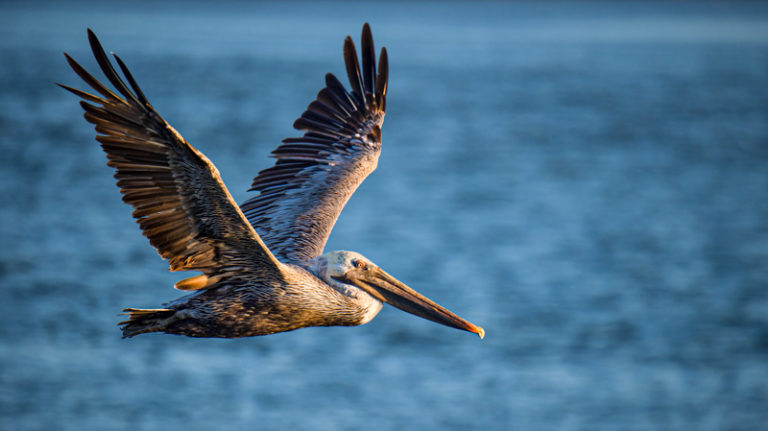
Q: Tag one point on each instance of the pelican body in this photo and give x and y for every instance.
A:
(262, 267)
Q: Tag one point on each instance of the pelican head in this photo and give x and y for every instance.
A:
(353, 269)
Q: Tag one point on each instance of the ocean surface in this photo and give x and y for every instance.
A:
(587, 181)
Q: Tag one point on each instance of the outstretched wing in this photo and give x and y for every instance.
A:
(177, 194)
(302, 195)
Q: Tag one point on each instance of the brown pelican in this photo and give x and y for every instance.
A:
(277, 279)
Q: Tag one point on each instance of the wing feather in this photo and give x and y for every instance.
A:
(179, 201)
(302, 195)
(369, 63)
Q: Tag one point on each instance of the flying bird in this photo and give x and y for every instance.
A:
(262, 267)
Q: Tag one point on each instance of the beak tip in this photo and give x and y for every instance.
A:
(480, 332)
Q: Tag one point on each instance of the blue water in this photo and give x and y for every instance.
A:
(587, 181)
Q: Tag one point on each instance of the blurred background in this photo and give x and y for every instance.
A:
(588, 181)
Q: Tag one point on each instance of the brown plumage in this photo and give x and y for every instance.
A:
(249, 286)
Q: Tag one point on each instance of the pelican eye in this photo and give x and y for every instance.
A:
(359, 264)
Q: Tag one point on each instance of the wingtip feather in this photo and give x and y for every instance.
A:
(353, 70)
(129, 76)
(106, 67)
(369, 60)
(381, 80)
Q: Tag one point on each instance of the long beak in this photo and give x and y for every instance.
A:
(386, 288)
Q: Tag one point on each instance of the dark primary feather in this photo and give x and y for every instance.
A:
(301, 196)
(177, 195)
(353, 70)
(369, 60)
